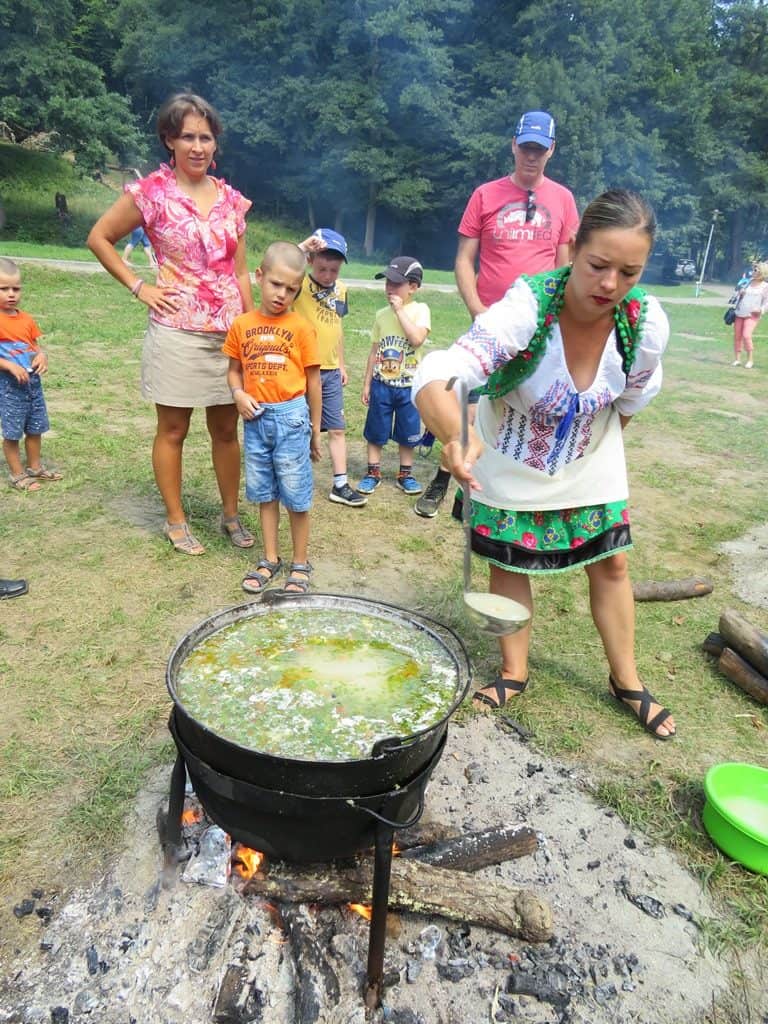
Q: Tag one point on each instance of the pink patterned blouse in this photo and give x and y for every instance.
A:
(195, 254)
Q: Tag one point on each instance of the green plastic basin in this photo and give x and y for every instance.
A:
(736, 812)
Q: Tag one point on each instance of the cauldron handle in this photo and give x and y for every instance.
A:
(394, 824)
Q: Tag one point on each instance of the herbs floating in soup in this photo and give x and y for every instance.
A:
(317, 685)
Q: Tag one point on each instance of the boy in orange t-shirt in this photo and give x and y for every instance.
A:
(23, 412)
(274, 374)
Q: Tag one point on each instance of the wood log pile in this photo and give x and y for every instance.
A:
(741, 650)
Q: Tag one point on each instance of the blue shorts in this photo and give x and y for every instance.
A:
(333, 401)
(139, 237)
(22, 407)
(277, 461)
(391, 415)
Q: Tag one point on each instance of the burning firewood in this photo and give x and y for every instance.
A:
(474, 850)
(420, 888)
(672, 590)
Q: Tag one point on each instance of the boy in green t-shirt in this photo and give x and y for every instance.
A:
(399, 331)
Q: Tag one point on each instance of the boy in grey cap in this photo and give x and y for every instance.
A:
(399, 331)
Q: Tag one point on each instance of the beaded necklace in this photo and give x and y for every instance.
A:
(549, 289)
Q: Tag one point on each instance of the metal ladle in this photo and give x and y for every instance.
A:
(492, 613)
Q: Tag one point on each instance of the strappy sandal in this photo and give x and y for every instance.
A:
(232, 527)
(256, 580)
(41, 473)
(298, 584)
(645, 699)
(23, 482)
(184, 541)
(505, 689)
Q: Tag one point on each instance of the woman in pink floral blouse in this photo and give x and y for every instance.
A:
(196, 224)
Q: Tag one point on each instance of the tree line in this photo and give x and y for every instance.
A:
(379, 117)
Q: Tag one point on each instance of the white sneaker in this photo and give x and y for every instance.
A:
(736, 362)
(748, 364)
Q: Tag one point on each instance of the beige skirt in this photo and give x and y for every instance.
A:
(186, 369)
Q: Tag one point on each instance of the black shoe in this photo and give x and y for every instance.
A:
(431, 500)
(344, 495)
(13, 588)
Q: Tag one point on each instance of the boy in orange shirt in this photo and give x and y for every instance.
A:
(274, 375)
(23, 412)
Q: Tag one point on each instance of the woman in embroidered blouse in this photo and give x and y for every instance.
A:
(196, 224)
(752, 303)
(546, 458)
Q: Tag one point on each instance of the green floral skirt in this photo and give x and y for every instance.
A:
(549, 541)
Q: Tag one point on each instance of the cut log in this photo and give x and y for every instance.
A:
(317, 985)
(672, 590)
(741, 636)
(422, 889)
(743, 674)
(714, 644)
(474, 850)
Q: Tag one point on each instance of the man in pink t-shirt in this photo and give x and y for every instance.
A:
(520, 224)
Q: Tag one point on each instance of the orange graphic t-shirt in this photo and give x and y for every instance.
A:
(274, 352)
(18, 338)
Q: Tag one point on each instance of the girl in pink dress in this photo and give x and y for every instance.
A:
(196, 224)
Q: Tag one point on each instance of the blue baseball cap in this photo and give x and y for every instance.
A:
(333, 241)
(536, 126)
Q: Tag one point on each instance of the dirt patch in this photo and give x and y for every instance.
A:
(749, 558)
(627, 943)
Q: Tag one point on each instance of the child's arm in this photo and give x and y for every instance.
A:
(40, 362)
(369, 373)
(247, 406)
(315, 402)
(414, 334)
(15, 369)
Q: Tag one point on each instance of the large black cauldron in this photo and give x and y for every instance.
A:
(311, 810)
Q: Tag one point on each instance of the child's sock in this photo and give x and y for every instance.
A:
(442, 477)
(404, 471)
(339, 479)
(374, 469)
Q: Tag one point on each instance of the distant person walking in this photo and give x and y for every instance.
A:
(196, 224)
(139, 237)
(522, 223)
(750, 305)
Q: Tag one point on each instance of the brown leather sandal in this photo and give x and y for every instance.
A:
(24, 482)
(182, 539)
(232, 527)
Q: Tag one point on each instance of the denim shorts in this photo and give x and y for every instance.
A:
(22, 407)
(277, 461)
(333, 401)
(391, 415)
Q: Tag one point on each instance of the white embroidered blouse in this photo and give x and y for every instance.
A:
(565, 444)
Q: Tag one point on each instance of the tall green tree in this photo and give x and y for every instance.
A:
(46, 87)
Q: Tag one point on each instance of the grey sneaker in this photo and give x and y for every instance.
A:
(344, 495)
(429, 503)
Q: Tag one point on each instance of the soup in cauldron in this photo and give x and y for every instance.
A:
(317, 684)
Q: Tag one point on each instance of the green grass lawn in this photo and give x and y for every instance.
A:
(82, 657)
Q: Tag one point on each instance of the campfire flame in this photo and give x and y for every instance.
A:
(191, 816)
(246, 861)
(362, 909)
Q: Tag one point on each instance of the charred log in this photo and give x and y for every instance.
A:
(421, 889)
(740, 635)
(714, 644)
(744, 675)
(474, 850)
(672, 590)
(317, 985)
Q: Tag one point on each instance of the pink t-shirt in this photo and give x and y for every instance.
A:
(195, 254)
(495, 215)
